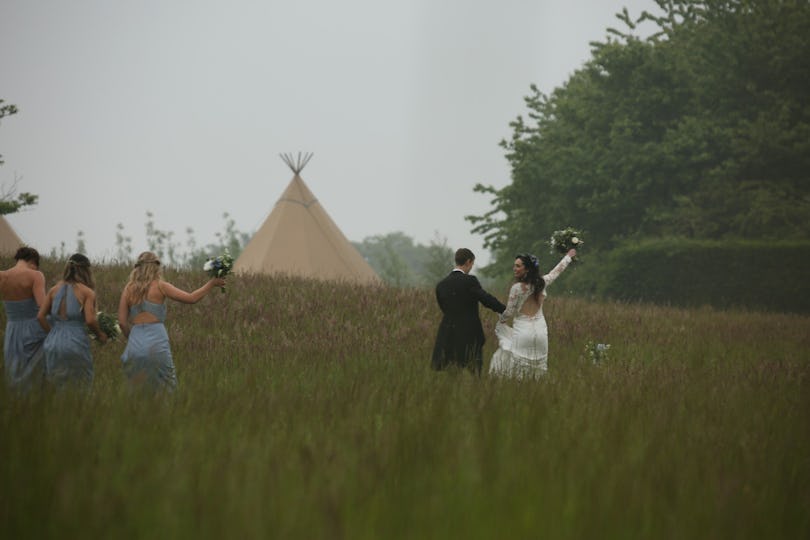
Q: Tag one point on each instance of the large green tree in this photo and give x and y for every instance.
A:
(10, 200)
(700, 130)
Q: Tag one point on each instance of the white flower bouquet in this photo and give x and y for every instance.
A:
(108, 324)
(566, 239)
(219, 266)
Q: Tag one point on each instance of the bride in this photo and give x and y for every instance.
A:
(523, 347)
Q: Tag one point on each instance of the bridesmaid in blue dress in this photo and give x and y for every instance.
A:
(22, 288)
(148, 362)
(71, 304)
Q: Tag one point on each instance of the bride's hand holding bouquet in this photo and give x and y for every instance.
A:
(565, 240)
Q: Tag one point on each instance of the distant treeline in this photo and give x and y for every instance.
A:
(700, 131)
(401, 262)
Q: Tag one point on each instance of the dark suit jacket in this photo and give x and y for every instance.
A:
(461, 337)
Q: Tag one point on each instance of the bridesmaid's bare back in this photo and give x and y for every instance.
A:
(18, 283)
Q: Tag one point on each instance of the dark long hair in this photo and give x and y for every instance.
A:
(77, 270)
(532, 277)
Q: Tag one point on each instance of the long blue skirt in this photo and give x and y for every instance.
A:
(147, 358)
(68, 360)
(23, 355)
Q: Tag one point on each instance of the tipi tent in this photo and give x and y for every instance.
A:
(299, 238)
(9, 241)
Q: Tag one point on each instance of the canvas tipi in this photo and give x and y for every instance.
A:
(9, 241)
(299, 238)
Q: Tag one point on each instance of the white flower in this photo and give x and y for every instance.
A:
(208, 265)
(574, 240)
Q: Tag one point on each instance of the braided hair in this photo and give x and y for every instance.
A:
(77, 270)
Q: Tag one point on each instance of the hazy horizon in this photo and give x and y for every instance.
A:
(181, 109)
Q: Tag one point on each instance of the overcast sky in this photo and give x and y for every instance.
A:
(181, 108)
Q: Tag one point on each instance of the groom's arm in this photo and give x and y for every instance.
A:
(485, 298)
(440, 299)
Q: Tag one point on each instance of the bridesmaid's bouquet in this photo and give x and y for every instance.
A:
(219, 266)
(566, 239)
(108, 324)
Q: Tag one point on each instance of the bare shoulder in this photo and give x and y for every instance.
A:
(84, 291)
(56, 287)
(161, 285)
(158, 290)
(36, 276)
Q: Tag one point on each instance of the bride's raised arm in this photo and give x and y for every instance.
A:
(562, 265)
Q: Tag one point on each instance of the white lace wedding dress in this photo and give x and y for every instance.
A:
(523, 347)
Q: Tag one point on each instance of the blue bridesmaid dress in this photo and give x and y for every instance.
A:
(147, 357)
(67, 347)
(23, 355)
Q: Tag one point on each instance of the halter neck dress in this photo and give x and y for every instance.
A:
(147, 357)
(67, 348)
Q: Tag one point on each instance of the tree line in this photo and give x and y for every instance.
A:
(402, 262)
(700, 130)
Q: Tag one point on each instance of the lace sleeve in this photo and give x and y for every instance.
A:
(555, 273)
(512, 303)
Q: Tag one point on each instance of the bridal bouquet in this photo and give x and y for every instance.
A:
(566, 239)
(108, 324)
(219, 266)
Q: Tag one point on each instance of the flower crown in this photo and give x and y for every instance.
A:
(534, 260)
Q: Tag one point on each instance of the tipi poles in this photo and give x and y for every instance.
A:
(296, 163)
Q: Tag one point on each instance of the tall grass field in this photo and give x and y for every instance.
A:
(309, 410)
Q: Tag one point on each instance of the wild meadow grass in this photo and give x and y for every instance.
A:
(308, 410)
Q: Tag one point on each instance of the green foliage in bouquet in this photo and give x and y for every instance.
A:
(109, 325)
(219, 266)
(565, 240)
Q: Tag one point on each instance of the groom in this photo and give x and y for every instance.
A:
(461, 336)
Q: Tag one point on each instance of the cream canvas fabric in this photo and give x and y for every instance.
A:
(299, 238)
(9, 241)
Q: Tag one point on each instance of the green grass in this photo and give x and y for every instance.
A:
(308, 410)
